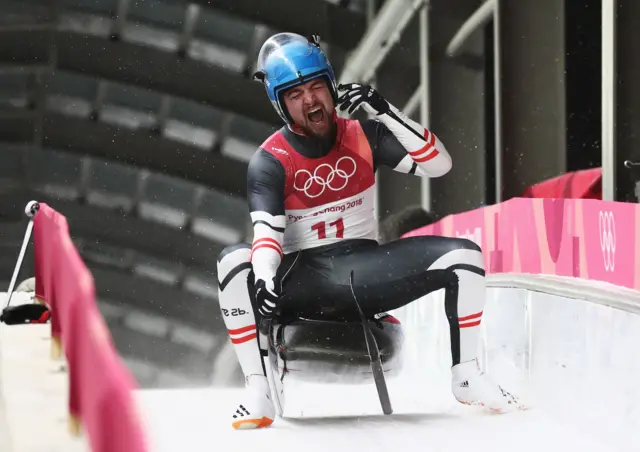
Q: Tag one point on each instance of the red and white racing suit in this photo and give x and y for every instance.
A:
(304, 194)
(312, 207)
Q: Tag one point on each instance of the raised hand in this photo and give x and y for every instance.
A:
(355, 96)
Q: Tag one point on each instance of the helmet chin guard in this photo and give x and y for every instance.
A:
(287, 60)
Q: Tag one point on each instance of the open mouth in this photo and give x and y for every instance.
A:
(316, 115)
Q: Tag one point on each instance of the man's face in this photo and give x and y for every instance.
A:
(311, 107)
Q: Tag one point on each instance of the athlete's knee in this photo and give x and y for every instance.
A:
(458, 251)
(460, 243)
(468, 255)
(235, 253)
(232, 261)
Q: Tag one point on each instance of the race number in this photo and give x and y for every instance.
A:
(321, 228)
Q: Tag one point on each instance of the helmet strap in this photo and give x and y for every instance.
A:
(259, 76)
(315, 40)
(283, 109)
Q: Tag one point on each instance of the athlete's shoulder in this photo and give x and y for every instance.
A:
(266, 183)
(375, 131)
(276, 143)
(263, 160)
(347, 124)
(372, 129)
(370, 126)
(350, 122)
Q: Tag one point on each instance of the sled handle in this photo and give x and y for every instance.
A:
(374, 356)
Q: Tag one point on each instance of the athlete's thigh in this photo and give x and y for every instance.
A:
(392, 275)
(312, 289)
(296, 278)
(405, 257)
(385, 277)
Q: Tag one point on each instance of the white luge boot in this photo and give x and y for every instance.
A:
(464, 304)
(256, 409)
(470, 386)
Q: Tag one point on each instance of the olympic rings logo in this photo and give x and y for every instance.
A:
(608, 239)
(325, 176)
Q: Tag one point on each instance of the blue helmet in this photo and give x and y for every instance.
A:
(287, 60)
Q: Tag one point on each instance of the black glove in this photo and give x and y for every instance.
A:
(267, 297)
(356, 95)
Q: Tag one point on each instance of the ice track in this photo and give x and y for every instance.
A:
(336, 418)
(345, 418)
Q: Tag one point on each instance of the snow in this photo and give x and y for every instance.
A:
(33, 390)
(346, 418)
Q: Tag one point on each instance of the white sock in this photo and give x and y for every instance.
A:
(471, 300)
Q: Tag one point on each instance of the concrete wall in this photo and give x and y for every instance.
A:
(533, 92)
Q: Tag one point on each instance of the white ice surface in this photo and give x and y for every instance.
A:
(346, 418)
(426, 417)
